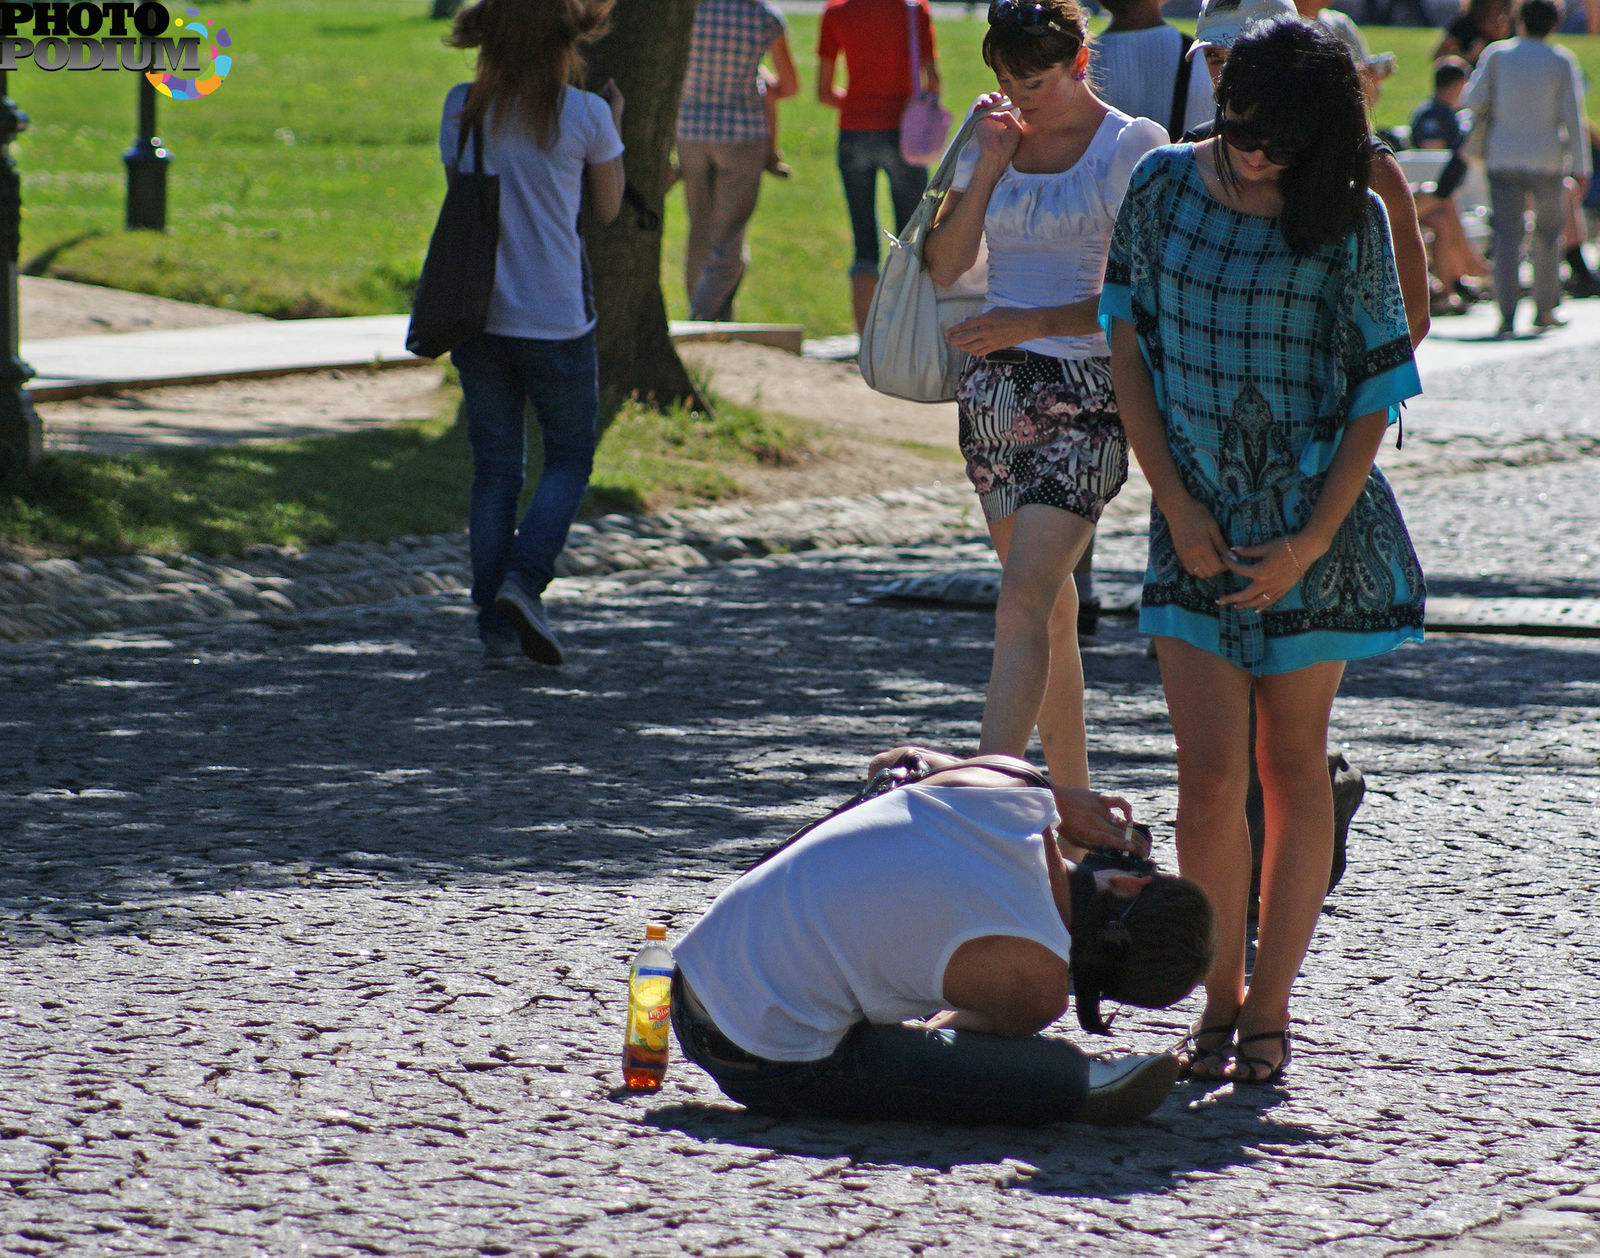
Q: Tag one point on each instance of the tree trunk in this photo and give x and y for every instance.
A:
(646, 53)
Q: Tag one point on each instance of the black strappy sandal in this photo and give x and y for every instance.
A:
(1189, 1050)
(1251, 1063)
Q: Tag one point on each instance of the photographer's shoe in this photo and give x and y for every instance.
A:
(526, 614)
(1128, 1088)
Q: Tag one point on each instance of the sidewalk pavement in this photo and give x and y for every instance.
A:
(80, 366)
(77, 366)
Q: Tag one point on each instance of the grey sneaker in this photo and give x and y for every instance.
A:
(526, 614)
(1126, 1089)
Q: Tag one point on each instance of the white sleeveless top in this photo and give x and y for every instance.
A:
(1048, 235)
(858, 920)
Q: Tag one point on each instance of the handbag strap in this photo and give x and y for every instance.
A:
(1180, 91)
(477, 143)
(916, 49)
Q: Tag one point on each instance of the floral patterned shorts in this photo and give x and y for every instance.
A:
(1046, 431)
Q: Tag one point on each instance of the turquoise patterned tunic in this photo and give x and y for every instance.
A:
(1259, 357)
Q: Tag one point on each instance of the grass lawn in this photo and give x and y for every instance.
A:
(307, 184)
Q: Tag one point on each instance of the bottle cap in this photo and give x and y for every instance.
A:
(655, 930)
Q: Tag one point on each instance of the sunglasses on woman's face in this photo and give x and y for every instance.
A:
(1028, 16)
(1242, 135)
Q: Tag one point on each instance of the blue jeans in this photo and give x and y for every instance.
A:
(899, 1072)
(862, 154)
(499, 376)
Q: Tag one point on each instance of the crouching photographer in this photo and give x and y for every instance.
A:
(897, 959)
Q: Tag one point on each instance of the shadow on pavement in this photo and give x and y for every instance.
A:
(1063, 1160)
(707, 714)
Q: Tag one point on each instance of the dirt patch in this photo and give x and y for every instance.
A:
(276, 409)
(858, 441)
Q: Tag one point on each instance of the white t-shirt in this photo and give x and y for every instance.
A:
(1135, 72)
(858, 920)
(1048, 235)
(538, 278)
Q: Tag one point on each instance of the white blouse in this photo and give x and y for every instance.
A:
(1048, 235)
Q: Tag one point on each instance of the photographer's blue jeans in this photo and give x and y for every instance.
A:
(499, 376)
(862, 154)
(897, 1072)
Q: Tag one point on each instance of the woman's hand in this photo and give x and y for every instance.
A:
(998, 329)
(1273, 569)
(1089, 820)
(999, 133)
(1197, 539)
(612, 95)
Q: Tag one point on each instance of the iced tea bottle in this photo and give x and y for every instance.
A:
(644, 1048)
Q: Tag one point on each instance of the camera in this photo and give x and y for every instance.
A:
(1123, 861)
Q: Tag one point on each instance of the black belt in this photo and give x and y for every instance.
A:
(1017, 356)
(712, 1042)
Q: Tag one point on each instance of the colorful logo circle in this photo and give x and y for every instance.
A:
(168, 84)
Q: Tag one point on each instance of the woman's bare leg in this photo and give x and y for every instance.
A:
(1208, 700)
(1037, 675)
(1297, 805)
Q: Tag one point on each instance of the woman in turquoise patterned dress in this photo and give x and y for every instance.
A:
(1259, 352)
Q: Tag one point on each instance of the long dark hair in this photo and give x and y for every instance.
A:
(1297, 84)
(1008, 46)
(528, 52)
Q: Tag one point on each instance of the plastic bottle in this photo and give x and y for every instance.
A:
(644, 1048)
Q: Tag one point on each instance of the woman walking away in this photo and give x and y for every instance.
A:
(874, 37)
(1277, 551)
(549, 142)
(1038, 422)
(1532, 94)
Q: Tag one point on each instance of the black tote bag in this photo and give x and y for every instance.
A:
(452, 300)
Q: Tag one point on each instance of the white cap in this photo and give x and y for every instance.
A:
(1223, 21)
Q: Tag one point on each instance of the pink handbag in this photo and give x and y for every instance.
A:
(924, 123)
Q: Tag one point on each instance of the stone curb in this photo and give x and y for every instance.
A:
(62, 597)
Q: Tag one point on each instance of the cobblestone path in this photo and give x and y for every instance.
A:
(315, 930)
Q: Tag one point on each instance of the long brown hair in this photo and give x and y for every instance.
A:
(528, 52)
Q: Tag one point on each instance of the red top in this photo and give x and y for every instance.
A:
(875, 38)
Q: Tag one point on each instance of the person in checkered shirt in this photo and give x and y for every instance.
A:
(725, 140)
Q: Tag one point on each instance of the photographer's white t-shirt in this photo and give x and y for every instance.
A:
(859, 919)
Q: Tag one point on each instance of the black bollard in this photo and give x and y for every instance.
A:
(147, 168)
(21, 434)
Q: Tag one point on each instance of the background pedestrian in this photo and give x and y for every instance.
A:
(549, 142)
(874, 38)
(725, 140)
(1531, 93)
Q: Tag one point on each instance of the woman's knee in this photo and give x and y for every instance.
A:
(1210, 786)
(1026, 603)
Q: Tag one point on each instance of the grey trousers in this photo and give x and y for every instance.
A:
(721, 181)
(1509, 192)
